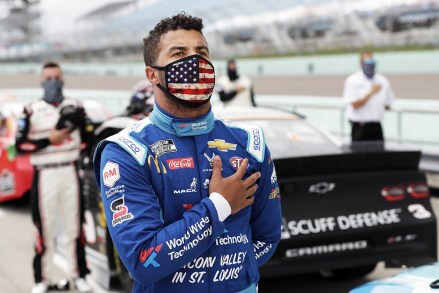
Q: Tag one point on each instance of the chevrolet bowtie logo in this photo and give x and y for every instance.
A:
(221, 145)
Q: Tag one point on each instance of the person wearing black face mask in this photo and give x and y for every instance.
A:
(234, 89)
(367, 95)
(171, 194)
(53, 130)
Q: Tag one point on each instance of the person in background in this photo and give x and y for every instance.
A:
(54, 130)
(234, 89)
(367, 95)
(192, 202)
(142, 100)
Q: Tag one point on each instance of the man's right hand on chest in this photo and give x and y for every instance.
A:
(238, 193)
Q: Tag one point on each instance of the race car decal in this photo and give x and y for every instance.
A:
(7, 182)
(342, 222)
(327, 248)
(419, 211)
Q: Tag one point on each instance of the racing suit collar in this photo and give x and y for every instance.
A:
(182, 126)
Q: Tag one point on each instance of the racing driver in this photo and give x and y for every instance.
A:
(192, 202)
(53, 129)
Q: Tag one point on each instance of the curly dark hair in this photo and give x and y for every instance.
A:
(180, 21)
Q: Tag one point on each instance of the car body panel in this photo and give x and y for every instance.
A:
(413, 280)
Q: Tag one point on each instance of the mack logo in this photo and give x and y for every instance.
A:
(322, 187)
(181, 163)
(222, 145)
(193, 188)
(110, 173)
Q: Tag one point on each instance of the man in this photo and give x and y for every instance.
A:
(187, 196)
(235, 90)
(367, 95)
(52, 129)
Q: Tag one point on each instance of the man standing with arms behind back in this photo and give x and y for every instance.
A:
(54, 129)
(192, 202)
(367, 95)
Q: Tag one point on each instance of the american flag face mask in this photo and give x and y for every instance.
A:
(190, 80)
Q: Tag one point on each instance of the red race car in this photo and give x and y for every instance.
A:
(15, 170)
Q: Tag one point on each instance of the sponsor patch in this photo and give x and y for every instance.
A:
(120, 211)
(273, 177)
(159, 166)
(147, 257)
(181, 163)
(221, 145)
(163, 146)
(275, 193)
(236, 162)
(110, 174)
(115, 190)
(192, 188)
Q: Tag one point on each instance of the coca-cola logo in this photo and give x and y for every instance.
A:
(181, 163)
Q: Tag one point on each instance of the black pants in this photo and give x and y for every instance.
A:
(367, 131)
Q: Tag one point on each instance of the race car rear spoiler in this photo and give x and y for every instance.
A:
(347, 162)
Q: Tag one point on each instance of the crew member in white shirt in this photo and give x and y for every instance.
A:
(367, 95)
(234, 89)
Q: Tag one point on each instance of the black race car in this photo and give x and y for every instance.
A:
(345, 207)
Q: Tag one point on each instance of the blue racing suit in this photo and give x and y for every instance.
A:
(169, 232)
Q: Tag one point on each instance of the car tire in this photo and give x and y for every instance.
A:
(348, 273)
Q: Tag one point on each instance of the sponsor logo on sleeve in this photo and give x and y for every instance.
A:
(275, 193)
(147, 257)
(181, 163)
(110, 173)
(221, 145)
(273, 177)
(120, 211)
(163, 146)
